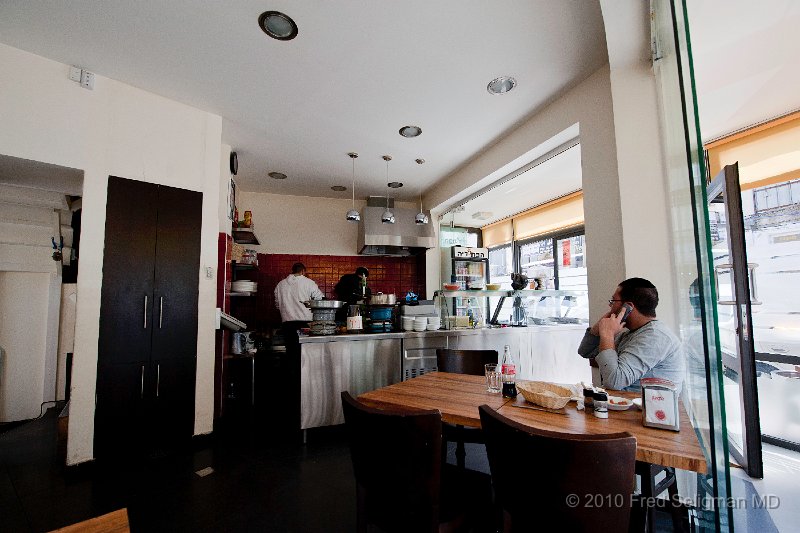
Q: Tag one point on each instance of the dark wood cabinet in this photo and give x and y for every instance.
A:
(147, 346)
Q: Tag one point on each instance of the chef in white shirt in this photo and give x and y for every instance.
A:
(290, 294)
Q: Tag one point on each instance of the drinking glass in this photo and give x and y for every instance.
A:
(493, 378)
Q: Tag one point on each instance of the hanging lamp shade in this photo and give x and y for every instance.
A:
(353, 215)
(421, 217)
(387, 217)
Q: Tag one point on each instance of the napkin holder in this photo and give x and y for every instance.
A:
(660, 404)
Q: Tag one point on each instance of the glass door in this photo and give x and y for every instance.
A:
(772, 235)
(736, 293)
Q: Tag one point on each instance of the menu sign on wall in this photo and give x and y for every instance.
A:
(463, 252)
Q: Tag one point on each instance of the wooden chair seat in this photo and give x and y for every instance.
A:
(470, 362)
(396, 458)
(582, 482)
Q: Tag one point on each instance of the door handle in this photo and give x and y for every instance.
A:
(158, 377)
(717, 269)
(751, 274)
(751, 267)
(160, 311)
(145, 311)
(141, 392)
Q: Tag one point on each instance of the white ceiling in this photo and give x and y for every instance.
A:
(355, 74)
(358, 71)
(745, 61)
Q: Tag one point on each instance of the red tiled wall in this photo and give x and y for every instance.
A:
(396, 275)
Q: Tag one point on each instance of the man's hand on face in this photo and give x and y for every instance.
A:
(595, 330)
(608, 327)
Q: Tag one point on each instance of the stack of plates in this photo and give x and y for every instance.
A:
(434, 322)
(407, 323)
(420, 323)
(244, 286)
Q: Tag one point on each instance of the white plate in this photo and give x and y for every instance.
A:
(637, 402)
(619, 406)
(432, 328)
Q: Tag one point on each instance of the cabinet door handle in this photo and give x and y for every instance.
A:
(145, 311)
(141, 392)
(158, 377)
(160, 310)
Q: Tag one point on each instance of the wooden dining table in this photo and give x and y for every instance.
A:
(458, 396)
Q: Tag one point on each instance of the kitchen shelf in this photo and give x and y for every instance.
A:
(244, 266)
(245, 236)
(507, 293)
(240, 294)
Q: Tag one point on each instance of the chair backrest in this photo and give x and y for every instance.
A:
(464, 361)
(397, 463)
(580, 482)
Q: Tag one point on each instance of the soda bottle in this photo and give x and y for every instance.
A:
(508, 370)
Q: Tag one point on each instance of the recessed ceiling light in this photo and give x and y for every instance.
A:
(338, 188)
(501, 85)
(410, 131)
(277, 175)
(277, 25)
(394, 184)
(482, 215)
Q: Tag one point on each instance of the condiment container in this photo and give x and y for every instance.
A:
(660, 404)
(600, 401)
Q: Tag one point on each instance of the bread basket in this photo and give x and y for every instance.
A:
(546, 394)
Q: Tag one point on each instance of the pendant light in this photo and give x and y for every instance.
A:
(353, 215)
(421, 217)
(387, 217)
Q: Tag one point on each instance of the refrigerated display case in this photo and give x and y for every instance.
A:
(469, 267)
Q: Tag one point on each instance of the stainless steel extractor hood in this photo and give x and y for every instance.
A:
(403, 238)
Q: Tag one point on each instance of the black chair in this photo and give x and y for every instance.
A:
(398, 471)
(462, 362)
(580, 482)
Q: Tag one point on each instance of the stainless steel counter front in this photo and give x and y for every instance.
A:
(363, 362)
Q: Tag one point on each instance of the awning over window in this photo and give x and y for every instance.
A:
(767, 154)
(562, 213)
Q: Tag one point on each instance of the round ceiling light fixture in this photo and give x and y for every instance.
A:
(353, 215)
(277, 175)
(501, 85)
(338, 188)
(277, 25)
(410, 131)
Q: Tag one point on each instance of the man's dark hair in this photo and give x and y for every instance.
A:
(641, 293)
(361, 271)
(297, 268)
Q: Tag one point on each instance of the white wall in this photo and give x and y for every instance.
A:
(115, 130)
(642, 185)
(24, 301)
(589, 105)
(303, 224)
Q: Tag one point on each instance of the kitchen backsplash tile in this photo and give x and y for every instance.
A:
(386, 274)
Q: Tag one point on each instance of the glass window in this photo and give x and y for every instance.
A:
(536, 260)
(501, 266)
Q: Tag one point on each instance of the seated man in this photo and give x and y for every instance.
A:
(627, 349)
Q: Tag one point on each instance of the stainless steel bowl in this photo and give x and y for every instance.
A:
(323, 304)
(382, 299)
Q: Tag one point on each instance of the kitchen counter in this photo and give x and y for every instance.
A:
(363, 362)
(341, 337)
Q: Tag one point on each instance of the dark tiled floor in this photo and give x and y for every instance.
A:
(255, 486)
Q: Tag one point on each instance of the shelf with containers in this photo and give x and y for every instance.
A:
(547, 307)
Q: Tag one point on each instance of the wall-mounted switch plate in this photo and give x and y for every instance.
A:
(87, 79)
(210, 272)
(75, 74)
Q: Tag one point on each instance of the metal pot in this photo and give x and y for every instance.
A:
(382, 299)
(323, 304)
